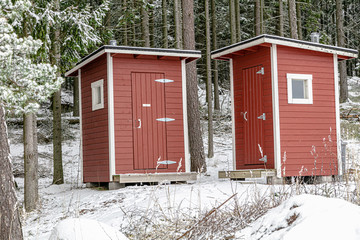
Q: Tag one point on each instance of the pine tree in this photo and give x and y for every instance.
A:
(74, 30)
(23, 85)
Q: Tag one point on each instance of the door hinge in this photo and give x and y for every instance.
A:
(261, 71)
(263, 117)
(263, 159)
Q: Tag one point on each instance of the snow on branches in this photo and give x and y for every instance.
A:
(23, 82)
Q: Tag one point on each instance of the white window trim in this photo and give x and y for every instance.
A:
(308, 78)
(94, 86)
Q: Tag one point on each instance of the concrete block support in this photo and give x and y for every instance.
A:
(115, 185)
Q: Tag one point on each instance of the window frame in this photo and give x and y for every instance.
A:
(94, 94)
(308, 91)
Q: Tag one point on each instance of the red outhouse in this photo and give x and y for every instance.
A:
(285, 109)
(133, 114)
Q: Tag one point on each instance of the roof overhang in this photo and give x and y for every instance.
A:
(266, 40)
(188, 55)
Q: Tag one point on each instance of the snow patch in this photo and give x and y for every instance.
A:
(307, 217)
(81, 228)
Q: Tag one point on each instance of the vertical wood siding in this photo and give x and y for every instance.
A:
(124, 66)
(261, 57)
(306, 128)
(149, 134)
(94, 125)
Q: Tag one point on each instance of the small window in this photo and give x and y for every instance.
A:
(299, 88)
(97, 94)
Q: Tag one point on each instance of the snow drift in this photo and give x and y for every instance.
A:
(307, 217)
(81, 228)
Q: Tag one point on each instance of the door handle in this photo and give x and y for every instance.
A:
(139, 120)
(245, 116)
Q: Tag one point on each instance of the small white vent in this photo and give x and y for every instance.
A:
(163, 80)
(165, 119)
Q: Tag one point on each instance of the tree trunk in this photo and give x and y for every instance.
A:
(10, 225)
(195, 138)
(232, 15)
(76, 111)
(262, 23)
(58, 175)
(151, 24)
(133, 24)
(30, 163)
(238, 17)
(125, 34)
(298, 17)
(258, 17)
(177, 20)
(292, 19)
(208, 82)
(214, 44)
(145, 30)
(165, 24)
(341, 43)
(281, 19)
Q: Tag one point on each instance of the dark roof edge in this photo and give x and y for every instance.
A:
(143, 49)
(288, 40)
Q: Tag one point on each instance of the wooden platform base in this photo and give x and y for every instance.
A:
(154, 177)
(248, 173)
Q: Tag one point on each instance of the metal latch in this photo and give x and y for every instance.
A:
(261, 71)
(263, 159)
(263, 117)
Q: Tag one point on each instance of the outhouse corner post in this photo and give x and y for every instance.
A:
(111, 120)
(275, 106)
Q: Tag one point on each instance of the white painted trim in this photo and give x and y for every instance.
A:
(232, 113)
(304, 45)
(185, 117)
(94, 95)
(276, 112)
(337, 112)
(111, 120)
(285, 42)
(307, 88)
(80, 65)
(81, 131)
(238, 48)
(152, 53)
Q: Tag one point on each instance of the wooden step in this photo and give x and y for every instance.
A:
(154, 177)
(248, 173)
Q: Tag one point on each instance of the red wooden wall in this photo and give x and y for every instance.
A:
(303, 126)
(124, 65)
(94, 125)
(261, 57)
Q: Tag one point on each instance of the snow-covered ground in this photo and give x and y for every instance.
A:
(164, 208)
(307, 217)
